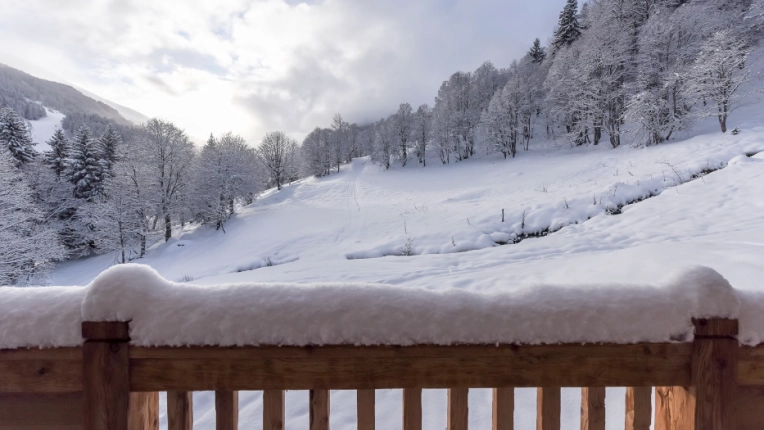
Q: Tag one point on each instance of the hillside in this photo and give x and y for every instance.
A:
(21, 91)
(343, 228)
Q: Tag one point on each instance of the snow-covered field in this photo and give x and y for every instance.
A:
(347, 226)
(42, 129)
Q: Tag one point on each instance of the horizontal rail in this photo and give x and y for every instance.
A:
(353, 367)
(59, 370)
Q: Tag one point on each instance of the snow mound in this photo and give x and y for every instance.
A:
(171, 314)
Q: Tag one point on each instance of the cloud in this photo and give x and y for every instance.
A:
(256, 66)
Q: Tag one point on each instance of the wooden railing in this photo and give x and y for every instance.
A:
(107, 384)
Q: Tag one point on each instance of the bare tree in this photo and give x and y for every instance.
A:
(273, 154)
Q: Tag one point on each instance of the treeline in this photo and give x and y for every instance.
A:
(104, 192)
(634, 71)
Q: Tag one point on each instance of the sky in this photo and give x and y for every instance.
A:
(251, 67)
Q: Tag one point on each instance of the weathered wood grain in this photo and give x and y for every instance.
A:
(180, 410)
(674, 408)
(365, 406)
(412, 409)
(548, 405)
(226, 410)
(458, 408)
(638, 408)
(714, 371)
(319, 409)
(273, 410)
(106, 331)
(144, 411)
(105, 385)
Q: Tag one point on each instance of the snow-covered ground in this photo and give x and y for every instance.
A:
(42, 129)
(344, 228)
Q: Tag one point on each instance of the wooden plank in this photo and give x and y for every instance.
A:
(54, 370)
(273, 410)
(180, 410)
(412, 409)
(548, 401)
(352, 367)
(319, 409)
(593, 408)
(144, 411)
(41, 411)
(226, 410)
(751, 365)
(503, 409)
(365, 401)
(714, 372)
(458, 408)
(674, 408)
(106, 331)
(750, 408)
(638, 408)
(105, 385)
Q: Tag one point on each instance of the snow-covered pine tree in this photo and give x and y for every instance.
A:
(108, 145)
(56, 157)
(537, 53)
(568, 27)
(27, 245)
(85, 168)
(15, 137)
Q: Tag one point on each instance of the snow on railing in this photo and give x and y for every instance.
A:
(108, 348)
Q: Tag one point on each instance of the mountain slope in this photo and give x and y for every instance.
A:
(22, 91)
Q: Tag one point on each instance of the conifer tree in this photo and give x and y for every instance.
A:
(107, 145)
(85, 168)
(568, 27)
(537, 52)
(15, 137)
(56, 157)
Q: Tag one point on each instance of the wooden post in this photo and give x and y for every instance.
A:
(412, 409)
(548, 408)
(273, 410)
(365, 407)
(105, 375)
(638, 408)
(458, 408)
(319, 409)
(714, 373)
(709, 404)
(593, 408)
(226, 410)
(503, 409)
(180, 410)
(144, 411)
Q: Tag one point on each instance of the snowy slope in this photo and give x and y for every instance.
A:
(307, 231)
(42, 129)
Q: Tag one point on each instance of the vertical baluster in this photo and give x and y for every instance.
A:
(412, 409)
(638, 408)
(365, 407)
(548, 408)
(593, 408)
(144, 411)
(319, 409)
(458, 408)
(273, 410)
(503, 409)
(180, 410)
(226, 410)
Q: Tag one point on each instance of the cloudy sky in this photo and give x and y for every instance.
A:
(253, 66)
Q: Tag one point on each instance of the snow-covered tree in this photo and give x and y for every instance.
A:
(15, 137)
(167, 154)
(384, 142)
(717, 75)
(27, 245)
(568, 27)
(226, 172)
(537, 53)
(315, 153)
(108, 145)
(421, 132)
(56, 157)
(402, 123)
(456, 118)
(273, 156)
(338, 143)
(499, 124)
(85, 169)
